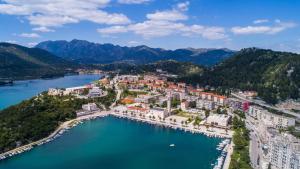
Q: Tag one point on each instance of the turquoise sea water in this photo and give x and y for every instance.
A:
(10, 95)
(112, 143)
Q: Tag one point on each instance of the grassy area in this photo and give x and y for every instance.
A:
(183, 114)
(240, 157)
(127, 93)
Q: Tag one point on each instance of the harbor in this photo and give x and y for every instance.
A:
(112, 137)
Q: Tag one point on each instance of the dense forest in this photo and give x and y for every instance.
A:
(171, 66)
(18, 62)
(275, 75)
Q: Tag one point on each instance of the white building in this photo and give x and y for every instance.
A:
(169, 106)
(209, 105)
(87, 109)
(146, 98)
(184, 105)
(220, 120)
(158, 112)
(270, 119)
(95, 92)
(75, 90)
(128, 78)
(90, 107)
(284, 152)
(55, 92)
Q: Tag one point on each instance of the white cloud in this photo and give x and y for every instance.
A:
(43, 29)
(212, 33)
(14, 10)
(113, 30)
(166, 23)
(51, 21)
(278, 27)
(172, 15)
(53, 13)
(29, 35)
(133, 1)
(259, 21)
(11, 41)
(133, 42)
(32, 44)
(184, 6)
(152, 28)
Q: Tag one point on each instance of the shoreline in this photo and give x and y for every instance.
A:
(225, 159)
(57, 133)
(174, 126)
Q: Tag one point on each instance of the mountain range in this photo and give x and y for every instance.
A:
(19, 62)
(85, 52)
(275, 75)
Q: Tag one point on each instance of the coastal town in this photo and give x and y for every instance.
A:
(151, 98)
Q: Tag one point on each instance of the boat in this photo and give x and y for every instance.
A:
(172, 145)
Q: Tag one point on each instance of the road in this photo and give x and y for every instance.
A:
(119, 92)
(267, 105)
(254, 150)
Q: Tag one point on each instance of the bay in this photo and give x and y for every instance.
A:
(112, 143)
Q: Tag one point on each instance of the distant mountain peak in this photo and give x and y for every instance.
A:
(83, 51)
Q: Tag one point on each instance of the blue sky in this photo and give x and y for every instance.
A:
(167, 24)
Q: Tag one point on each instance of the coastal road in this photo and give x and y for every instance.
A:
(267, 105)
(119, 92)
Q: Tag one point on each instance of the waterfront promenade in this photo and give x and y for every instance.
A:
(212, 132)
